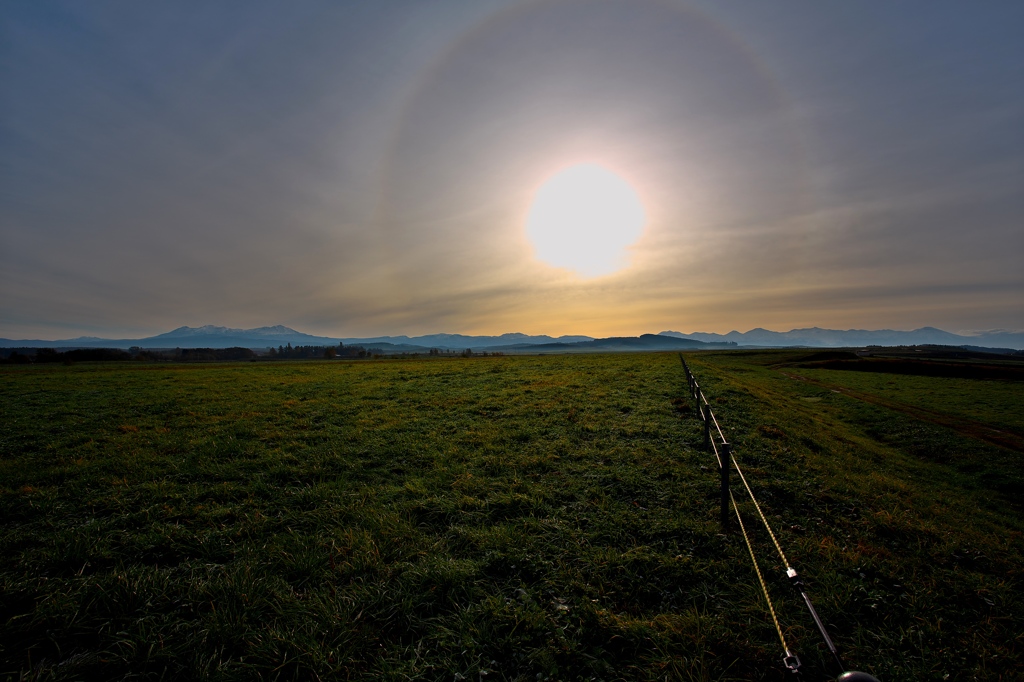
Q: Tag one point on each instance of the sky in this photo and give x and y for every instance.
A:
(368, 168)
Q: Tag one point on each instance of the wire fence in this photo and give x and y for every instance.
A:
(723, 451)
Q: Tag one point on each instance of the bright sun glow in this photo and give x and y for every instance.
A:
(583, 219)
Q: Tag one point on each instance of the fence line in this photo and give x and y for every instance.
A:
(726, 462)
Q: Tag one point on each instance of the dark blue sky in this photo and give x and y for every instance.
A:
(366, 168)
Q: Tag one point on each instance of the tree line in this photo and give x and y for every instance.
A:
(289, 352)
(24, 356)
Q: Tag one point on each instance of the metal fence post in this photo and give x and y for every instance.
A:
(726, 466)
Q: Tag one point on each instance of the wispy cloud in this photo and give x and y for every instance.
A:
(359, 169)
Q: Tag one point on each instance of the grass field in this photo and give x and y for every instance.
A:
(503, 518)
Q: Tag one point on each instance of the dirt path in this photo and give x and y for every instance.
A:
(968, 427)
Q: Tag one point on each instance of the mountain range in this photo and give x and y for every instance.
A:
(815, 337)
(260, 338)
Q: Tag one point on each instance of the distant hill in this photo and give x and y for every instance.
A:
(816, 337)
(260, 338)
(616, 343)
(461, 341)
(210, 336)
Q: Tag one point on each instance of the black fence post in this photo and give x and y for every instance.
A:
(705, 410)
(726, 456)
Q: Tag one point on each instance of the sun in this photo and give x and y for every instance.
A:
(583, 218)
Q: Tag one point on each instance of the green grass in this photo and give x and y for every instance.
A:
(509, 518)
(996, 403)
